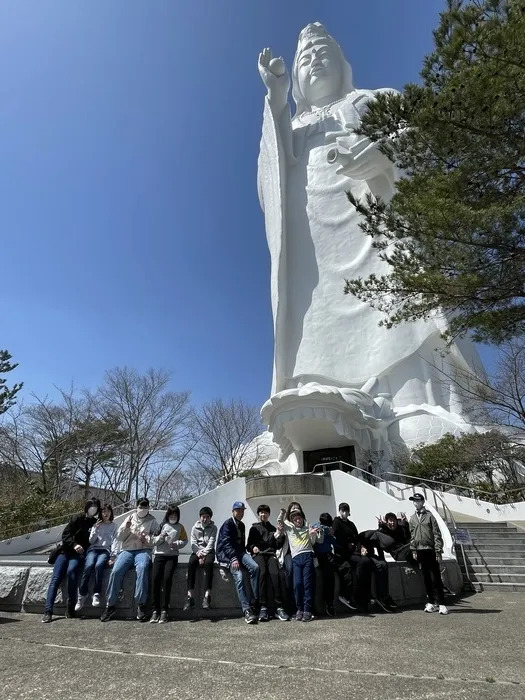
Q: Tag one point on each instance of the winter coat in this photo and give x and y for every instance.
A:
(425, 532)
(77, 532)
(265, 537)
(231, 543)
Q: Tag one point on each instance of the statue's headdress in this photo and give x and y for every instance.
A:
(314, 31)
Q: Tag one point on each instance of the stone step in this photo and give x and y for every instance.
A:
(491, 548)
(490, 537)
(481, 587)
(482, 525)
(497, 578)
(478, 531)
(495, 569)
(493, 561)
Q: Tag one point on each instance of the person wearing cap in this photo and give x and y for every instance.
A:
(263, 543)
(203, 537)
(426, 545)
(301, 538)
(231, 552)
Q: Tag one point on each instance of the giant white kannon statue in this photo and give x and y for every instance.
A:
(338, 378)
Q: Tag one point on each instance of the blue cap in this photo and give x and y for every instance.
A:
(238, 505)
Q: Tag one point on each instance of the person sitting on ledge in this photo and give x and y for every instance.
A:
(231, 552)
(136, 536)
(203, 537)
(70, 558)
(263, 543)
(354, 567)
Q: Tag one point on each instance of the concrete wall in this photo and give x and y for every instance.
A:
(24, 588)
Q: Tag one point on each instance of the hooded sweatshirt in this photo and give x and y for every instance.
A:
(203, 538)
(165, 541)
(129, 538)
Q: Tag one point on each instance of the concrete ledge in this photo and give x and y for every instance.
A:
(24, 589)
(289, 485)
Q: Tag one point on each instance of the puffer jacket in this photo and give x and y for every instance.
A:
(425, 532)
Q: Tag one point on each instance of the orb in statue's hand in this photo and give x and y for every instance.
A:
(277, 67)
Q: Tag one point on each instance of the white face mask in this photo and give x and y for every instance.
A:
(419, 505)
(142, 512)
(343, 514)
(92, 511)
(173, 521)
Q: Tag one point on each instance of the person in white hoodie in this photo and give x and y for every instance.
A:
(168, 542)
(203, 539)
(101, 553)
(136, 537)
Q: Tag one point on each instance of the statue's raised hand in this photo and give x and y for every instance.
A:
(276, 78)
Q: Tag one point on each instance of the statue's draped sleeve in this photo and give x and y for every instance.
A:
(271, 180)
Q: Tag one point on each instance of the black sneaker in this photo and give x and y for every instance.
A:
(298, 617)
(163, 617)
(108, 613)
(154, 616)
(263, 615)
(329, 608)
(206, 602)
(383, 605)
(190, 603)
(349, 604)
(282, 615)
(141, 613)
(307, 617)
(391, 603)
(47, 617)
(250, 617)
(70, 611)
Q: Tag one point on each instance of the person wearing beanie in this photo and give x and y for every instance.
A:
(301, 538)
(202, 539)
(426, 545)
(231, 552)
(263, 543)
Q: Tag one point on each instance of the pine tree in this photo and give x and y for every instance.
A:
(454, 232)
(7, 395)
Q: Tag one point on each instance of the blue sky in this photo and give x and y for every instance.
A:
(129, 135)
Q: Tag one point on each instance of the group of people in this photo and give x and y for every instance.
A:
(279, 560)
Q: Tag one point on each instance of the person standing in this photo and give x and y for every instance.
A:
(324, 551)
(426, 545)
(168, 542)
(203, 539)
(70, 559)
(231, 552)
(263, 543)
(101, 553)
(136, 536)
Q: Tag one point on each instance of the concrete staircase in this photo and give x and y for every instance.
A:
(496, 558)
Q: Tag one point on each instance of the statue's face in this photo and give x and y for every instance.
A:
(320, 71)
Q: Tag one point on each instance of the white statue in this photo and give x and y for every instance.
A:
(323, 338)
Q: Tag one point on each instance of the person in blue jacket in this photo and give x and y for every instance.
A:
(231, 552)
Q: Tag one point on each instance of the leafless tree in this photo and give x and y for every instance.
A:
(225, 436)
(154, 418)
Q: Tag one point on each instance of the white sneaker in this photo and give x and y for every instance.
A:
(95, 601)
(429, 607)
(80, 602)
(443, 610)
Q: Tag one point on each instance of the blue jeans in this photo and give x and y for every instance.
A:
(95, 559)
(65, 565)
(141, 560)
(303, 580)
(253, 569)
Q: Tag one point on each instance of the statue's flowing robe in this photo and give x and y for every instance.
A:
(315, 244)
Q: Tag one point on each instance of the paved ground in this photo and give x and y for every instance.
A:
(476, 653)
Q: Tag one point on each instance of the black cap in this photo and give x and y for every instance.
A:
(418, 497)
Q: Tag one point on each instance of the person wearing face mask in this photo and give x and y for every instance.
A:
(353, 565)
(426, 545)
(203, 538)
(101, 552)
(136, 537)
(171, 539)
(70, 559)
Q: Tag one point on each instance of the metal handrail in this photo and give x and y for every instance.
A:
(452, 486)
(48, 526)
(352, 466)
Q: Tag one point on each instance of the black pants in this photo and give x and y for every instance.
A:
(362, 579)
(328, 567)
(163, 570)
(431, 575)
(404, 553)
(380, 571)
(270, 593)
(193, 565)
